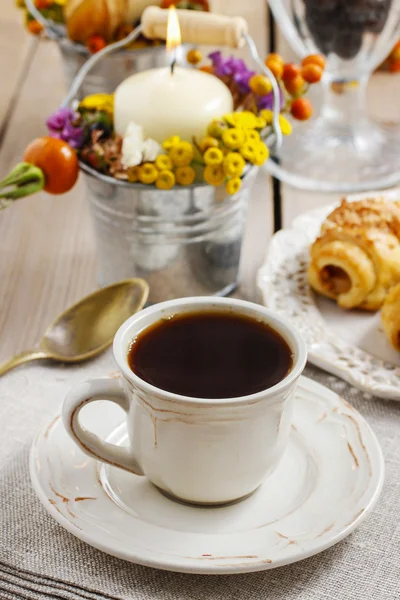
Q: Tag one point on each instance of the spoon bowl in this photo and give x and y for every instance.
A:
(88, 327)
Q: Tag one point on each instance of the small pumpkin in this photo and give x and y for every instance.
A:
(187, 4)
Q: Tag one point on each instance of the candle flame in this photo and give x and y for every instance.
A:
(174, 38)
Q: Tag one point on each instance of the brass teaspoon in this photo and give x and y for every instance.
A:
(88, 327)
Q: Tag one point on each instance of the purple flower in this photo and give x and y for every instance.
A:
(242, 78)
(268, 101)
(231, 67)
(218, 63)
(236, 69)
(61, 125)
(58, 119)
(215, 57)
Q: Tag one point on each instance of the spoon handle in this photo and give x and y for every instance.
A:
(20, 359)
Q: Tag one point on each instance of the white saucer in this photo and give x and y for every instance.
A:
(327, 482)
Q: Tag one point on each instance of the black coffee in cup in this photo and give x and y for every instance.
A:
(211, 354)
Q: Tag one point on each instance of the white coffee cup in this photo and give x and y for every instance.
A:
(194, 449)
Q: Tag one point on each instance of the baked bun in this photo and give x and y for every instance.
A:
(356, 258)
(391, 316)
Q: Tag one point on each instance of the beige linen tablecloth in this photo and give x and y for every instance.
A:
(39, 559)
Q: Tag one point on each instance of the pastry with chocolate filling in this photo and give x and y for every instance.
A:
(356, 258)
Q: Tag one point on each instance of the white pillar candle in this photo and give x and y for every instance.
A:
(180, 103)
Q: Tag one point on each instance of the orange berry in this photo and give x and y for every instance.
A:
(43, 4)
(206, 69)
(275, 56)
(275, 67)
(290, 71)
(295, 86)
(57, 160)
(34, 27)
(311, 73)
(95, 43)
(194, 56)
(301, 109)
(314, 59)
(394, 67)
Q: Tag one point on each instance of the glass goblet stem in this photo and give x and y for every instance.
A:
(344, 101)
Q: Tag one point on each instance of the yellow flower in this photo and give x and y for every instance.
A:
(185, 175)
(267, 115)
(208, 142)
(260, 85)
(233, 185)
(214, 175)
(163, 162)
(252, 136)
(232, 118)
(260, 123)
(286, 126)
(165, 180)
(262, 154)
(243, 119)
(246, 120)
(181, 154)
(249, 150)
(171, 142)
(148, 173)
(103, 102)
(233, 164)
(216, 128)
(133, 174)
(233, 138)
(213, 156)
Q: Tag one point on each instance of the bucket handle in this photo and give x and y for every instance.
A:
(196, 28)
(51, 29)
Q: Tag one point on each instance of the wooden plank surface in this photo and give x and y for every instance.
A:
(47, 258)
(16, 51)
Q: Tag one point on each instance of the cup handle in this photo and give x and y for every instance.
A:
(88, 442)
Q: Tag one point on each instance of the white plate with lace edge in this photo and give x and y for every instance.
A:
(326, 483)
(349, 344)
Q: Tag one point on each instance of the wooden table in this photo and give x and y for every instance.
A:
(47, 254)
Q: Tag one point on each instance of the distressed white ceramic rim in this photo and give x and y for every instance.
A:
(135, 324)
(169, 563)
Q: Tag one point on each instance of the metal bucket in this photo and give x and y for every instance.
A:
(184, 242)
(110, 72)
